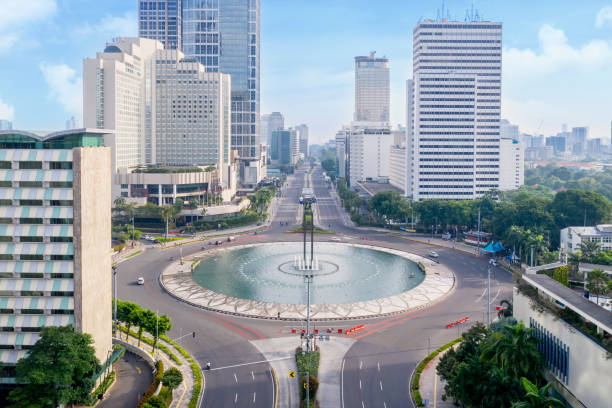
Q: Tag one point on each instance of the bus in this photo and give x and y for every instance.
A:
(307, 194)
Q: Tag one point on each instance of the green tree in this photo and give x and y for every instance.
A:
(577, 207)
(589, 249)
(514, 351)
(126, 313)
(537, 397)
(172, 378)
(156, 401)
(155, 325)
(59, 369)
(597, 280)
(167, 214)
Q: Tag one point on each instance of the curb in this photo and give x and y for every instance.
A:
(275, 386)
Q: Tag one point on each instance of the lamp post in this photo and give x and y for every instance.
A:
(115, 300)
(489, 295)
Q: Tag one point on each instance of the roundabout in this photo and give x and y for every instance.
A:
(267, 280)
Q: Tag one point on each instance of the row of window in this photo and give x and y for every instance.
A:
(35, 293)
(27, 275)
(28, 165)
(457, 54)
(52, 203)
(29, 257)
(36, 184)
(53, 221)
(34, 239)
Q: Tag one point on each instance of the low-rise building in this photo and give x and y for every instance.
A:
(511, 164)
(55, 237)
(573, 237)
(369, 146)
(575, 357)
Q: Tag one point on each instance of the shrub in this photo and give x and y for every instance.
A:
(153, 387)
(197, 386)
(157, 402)
(172, 378)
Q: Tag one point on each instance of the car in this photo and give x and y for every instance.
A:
(492, 262)
(433, 254)
(140, 281)
(336, 239)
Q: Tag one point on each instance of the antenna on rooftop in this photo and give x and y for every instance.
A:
(472, 14)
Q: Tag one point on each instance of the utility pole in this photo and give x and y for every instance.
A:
(531, 263)
(489, 296)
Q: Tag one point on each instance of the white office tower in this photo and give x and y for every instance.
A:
(268, 124)
(457, 101)
(369, 153)
(397, 160)
(342, 140)
(511, 164)
(372, 89)
(117, 96)
(193, 118)
(303, 136)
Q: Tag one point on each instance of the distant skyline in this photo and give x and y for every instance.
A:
(556, 69)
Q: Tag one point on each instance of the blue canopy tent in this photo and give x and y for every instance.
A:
(493, 248)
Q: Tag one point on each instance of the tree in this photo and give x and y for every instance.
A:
(578, 207)
(597, 281)
(537, 397)
(514, 350)
(172, 378)
(167, 213)
(156, 401)
(589, 249)
(155, 325)
(126, 313)
(59, 369)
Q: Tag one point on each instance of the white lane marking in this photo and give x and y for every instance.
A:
(379, 366)
(484, 292)
(362, 404)
(384, 404)
(253, 398)
(495, 297)
(359, 384)
(236, 398)
(360, 364)
(342, 383)
(235, 378)
(253, 375)
(254, 362)
(380, 382)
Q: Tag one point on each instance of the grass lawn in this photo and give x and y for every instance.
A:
(302, 362)
(317, 230)
(163, 240)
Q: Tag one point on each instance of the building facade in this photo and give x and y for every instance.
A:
(511, 164)
(55, 235)
(369, 148)
(223, 35)
(268, 124)
(573, 237)
(6, 124)
(372, 94)
(342, 139)
(397, 167)
(303, 139)
(285, 147)
(161, 20)
(457, 102)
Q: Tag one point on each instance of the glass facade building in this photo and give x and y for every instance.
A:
(224, 36)
(161, 20)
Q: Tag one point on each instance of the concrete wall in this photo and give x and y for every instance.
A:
(92, 239)
(589, 373)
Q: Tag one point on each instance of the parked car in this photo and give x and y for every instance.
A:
(140, 281)
(433, 254)
(336, 239)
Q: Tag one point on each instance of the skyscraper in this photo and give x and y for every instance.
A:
(268, 124)
(161, 20)
(457, 102)
(372, 96)
(303, 139)
(224, 36)
(6, 124)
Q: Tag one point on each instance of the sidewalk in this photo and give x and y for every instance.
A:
(431, 386)
(128, 252)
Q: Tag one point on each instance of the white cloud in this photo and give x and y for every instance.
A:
(112, 26)
(604, 17)
(7, 112)
(15, 18)
(65, 87)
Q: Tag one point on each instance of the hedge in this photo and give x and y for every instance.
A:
(419, 369)
(150, 342)
(153, 387)
(181, 350)
(197, 385)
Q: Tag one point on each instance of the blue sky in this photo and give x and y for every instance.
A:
(557, 57)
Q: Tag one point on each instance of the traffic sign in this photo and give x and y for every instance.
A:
(291, 374)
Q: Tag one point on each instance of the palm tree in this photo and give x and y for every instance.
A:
(514, 350)
(537, 397)
(589, 249)
(505, 311)
(167, 213)
(597, 280)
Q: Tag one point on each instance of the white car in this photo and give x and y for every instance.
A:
(336, 239)
(140, 281)
(433, 254)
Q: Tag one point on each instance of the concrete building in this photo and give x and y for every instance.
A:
(342, 140)
(539, 153)
(572, 237)
(55, 229)
(578, 139)
(6, 124)
(511, 164)
(594, 147)
(268, 124)
(397, 167)
(161, 21)
(369, 148)
(285, 147)
(303, 139)
(457, 103)
(224, 36)
(508, 131)
(372, 95)
(409, 143)
(575, 362)
(557, 143)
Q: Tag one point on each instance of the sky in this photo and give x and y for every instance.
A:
(557, 57)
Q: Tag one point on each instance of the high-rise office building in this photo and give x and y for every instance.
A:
(578, 139)
(303, 139)
(268, 124)
(285, 146)
(372, 91)
(457, 102)
(224, 36)
(6, 124)
(161, 20)
(511, 164)
(55, 225)
(342, 140)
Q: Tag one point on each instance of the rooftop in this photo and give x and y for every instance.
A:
(602, 229)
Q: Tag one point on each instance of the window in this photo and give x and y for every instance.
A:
(31, 257)
(30, 165)
(30, 202)
(30, 220)
(60, 184)
(31, 275)
(32, 311)
(30, 239)
(61, 257)
(60, 221)
(61, 239)
(60, 165)
(30, 184)
(61, 203)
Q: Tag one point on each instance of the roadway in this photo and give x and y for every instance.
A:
(376, 369)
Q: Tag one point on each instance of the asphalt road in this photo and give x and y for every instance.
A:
(134, 376)
(376, 369)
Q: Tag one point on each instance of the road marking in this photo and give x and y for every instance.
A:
(236, 398)
(379, 366)
(235, 378)
(435, 399)
(360, 364)
(253, 375)
(359, 384)
(246, 364)
(253, 398)
(362, 404)
(342, 383)
(384, 404)
(138, 369)
(380, 382)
